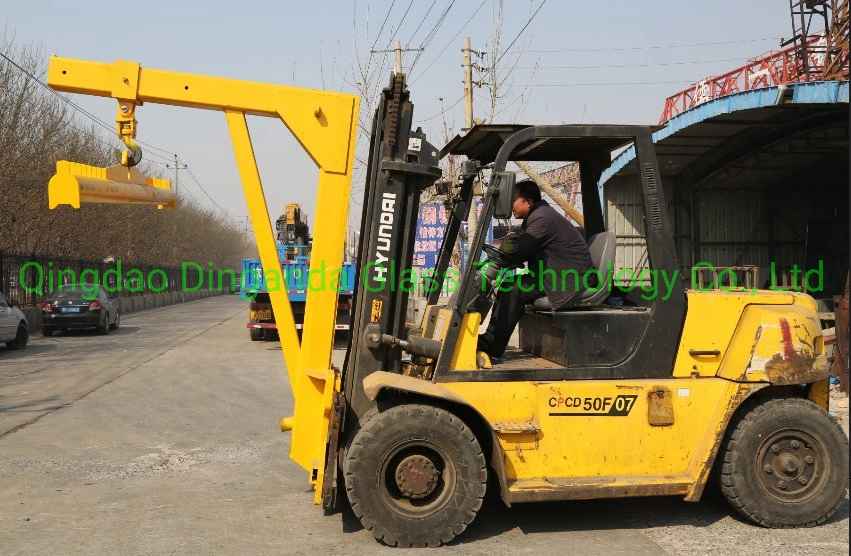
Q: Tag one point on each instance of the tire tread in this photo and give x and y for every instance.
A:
(367, 438)
(751, 410)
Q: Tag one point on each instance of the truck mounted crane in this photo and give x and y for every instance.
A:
(294, 244)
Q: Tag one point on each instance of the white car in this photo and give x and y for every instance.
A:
(13, 324)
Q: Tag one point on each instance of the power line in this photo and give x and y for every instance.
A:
(630, 65)
(87, 133)
(195, 179)
(436, 58)
(620, 49)
(155, 147)
(420, 26)
(433, 33)
(602, 84)
(74, 105)
(380, 29)
(90, 133)
(504, 52)
(56, 93)
(158, 156)
(442, 112)
(401, 21)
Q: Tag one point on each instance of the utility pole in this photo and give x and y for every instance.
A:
(473, 216)
(468, 84)
(176, 168)
(397, 51)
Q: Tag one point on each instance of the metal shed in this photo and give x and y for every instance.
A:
(756, 180)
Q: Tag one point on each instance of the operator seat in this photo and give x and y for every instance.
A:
(602, 248)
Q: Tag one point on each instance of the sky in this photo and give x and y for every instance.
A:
(573, 62)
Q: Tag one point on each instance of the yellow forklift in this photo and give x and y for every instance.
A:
(599, 401)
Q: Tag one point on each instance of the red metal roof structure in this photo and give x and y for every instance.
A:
(811, 57)
(768, 70)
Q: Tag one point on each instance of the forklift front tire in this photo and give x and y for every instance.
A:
(785, 463)
(415, 476)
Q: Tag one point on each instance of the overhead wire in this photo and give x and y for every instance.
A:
(380, 29)
(377, 36)
(156, 148)
(88, 133)
(609, 84)
(423, 20)
(464, 26)
(401, 21)
(432, 34)
(528, 22)
(77, 107)
(522, 30)
(442, 112)
(620, 49)
(34, 79)
(429, 37)
(91, 134)
(622, 66)
(203, 190)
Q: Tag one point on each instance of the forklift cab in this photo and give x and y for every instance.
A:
(588, 338)
(602, 399)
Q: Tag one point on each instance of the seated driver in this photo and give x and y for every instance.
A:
(548, 242)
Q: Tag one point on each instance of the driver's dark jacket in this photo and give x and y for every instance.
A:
(549, 241)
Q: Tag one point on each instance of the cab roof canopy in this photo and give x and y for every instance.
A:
(483, 142)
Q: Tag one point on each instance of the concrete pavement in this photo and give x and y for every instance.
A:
(162, 438)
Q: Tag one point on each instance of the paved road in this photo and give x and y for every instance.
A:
(162, 438)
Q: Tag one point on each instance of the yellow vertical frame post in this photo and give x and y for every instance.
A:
(319, 380)
(325, 127)
(259, 214)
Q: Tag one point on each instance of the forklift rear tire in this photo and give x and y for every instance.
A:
(256, 334)
(785, 463)
(415, 476)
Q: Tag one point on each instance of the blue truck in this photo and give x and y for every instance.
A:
(293, 241)
(294, 275)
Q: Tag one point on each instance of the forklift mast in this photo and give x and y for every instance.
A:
(401, 164)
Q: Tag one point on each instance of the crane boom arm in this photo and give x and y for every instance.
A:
(324, 124)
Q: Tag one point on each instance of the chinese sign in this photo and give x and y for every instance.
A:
(431, 224)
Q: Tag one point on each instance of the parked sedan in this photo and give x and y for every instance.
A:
(76, 307)
(13, 324)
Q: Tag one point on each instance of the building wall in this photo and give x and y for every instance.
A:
(732, 228)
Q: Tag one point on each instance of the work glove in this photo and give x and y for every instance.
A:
(509, 245)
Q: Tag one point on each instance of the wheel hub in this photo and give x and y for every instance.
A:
(791, 466)
(416, 476)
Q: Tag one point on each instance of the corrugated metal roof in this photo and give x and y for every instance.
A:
(694, 133)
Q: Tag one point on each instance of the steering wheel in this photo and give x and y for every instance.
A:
(503, 260)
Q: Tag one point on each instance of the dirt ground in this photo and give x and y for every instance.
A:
(163, 438)
(839, 407)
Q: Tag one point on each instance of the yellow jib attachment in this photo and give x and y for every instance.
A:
(74, 183)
